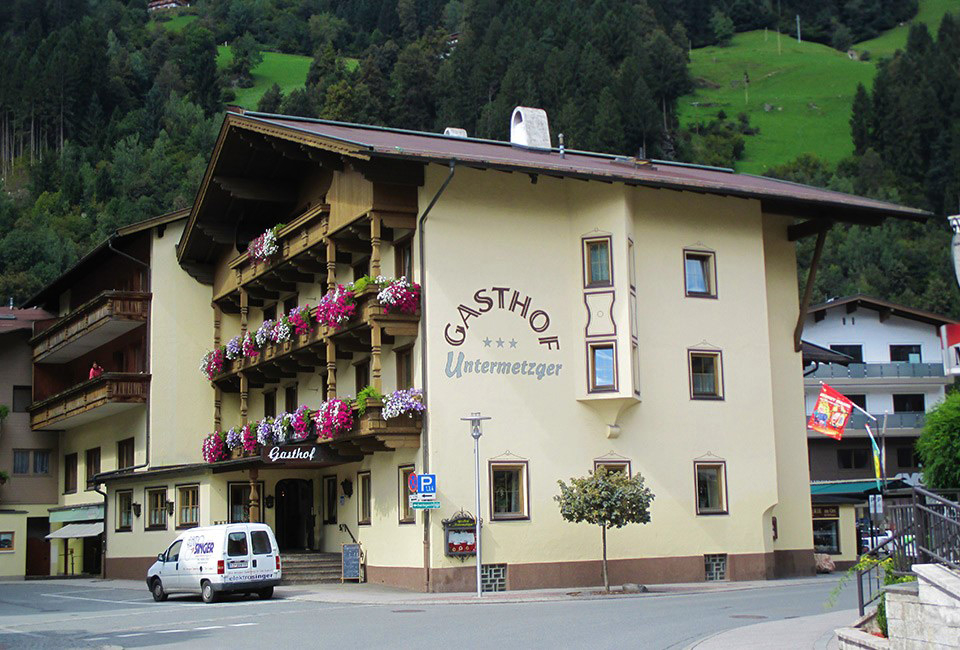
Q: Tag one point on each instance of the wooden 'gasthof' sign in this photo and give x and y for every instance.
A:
(350, 568)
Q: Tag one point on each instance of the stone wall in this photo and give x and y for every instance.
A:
(925, 614)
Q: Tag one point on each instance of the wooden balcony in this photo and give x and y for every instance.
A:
(99, 321)
(371, 433)
(303, 353)
(301, 257)
(371, 313)
(107, 395)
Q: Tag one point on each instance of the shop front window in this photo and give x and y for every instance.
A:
(826, 536)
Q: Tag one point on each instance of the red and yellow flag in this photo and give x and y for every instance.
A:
(831, 413)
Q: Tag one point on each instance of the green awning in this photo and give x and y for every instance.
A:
(854, 487)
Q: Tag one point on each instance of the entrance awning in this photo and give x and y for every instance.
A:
(77, 530)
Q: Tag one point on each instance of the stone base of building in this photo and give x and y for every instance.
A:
(552, 575)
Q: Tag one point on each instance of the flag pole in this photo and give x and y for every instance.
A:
(854, 405)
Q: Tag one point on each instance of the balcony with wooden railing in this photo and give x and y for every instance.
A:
(98, 321)
(103, 396)
(372, 433)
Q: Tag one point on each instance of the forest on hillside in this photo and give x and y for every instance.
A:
(107, 117)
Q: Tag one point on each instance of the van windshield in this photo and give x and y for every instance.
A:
(261, 542)
(236, 544)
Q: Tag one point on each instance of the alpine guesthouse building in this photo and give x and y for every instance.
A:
(599, 309)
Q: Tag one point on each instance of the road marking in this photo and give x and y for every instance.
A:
(209, 627)
(97, 600)
(169, 631)
(97, 638)
(242, 624)
(124, 636)
(13, 631)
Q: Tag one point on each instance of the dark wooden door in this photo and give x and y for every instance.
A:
(38, 546)
(92, 554)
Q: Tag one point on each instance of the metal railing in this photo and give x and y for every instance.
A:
(877, 371)
(926, 530)
(908, 420)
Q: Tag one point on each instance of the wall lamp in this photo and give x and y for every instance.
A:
(170, 507)
(136, 509)
(347, 486)
(268, 501)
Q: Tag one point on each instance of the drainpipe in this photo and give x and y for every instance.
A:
(103, 547)
(425, 438)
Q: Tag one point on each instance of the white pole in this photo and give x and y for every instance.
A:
(476, 457)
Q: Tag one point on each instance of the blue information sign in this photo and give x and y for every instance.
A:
(427, 483)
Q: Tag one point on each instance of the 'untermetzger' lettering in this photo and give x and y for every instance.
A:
(276, 453)
(459, 367)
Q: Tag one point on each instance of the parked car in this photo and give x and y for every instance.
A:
(236, 558)
(873, 537)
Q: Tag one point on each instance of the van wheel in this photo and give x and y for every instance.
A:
(265, 593)
(207, 592)
(156, 588)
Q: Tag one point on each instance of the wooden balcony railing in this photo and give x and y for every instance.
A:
(91, 400)
(98, 321)
(371, 432)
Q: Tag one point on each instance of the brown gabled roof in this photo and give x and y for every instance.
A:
(883, 306)
(81, 264)
(14, 320)
(364, 140)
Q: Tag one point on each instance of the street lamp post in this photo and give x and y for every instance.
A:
(476, 430)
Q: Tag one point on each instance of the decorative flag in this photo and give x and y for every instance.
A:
(831, 414)
(876, 458)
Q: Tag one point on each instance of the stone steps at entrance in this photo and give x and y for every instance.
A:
(306, 567)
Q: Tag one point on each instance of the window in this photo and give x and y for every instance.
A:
(69, 473)
(125, 453)
(598, 272)
(711, 488)
(361, 268)
(290, 398)
(188, 506)
(706, 375)
(240, 501)
(157, 509)
(361, 375)
(270, 313)
(329, 499)
(852, 458)
(173, 553)
(290, 303)
(403, 259)
(699, 274)
(237, 544)
(41, 461)
(124, 510)
(406, 512)
(22, 396)
(270, 404)
(905, 353)
(859, 400)
(826, 536)
(907, 458)
(611, 466)
(508, 491)
(260, 541)
(6, 541)
(404, 368)
(92, 466)
(855, 351)
(603, 366)
(909, 403)
(21, 461)
(364, 500)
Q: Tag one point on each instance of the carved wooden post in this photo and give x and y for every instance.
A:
(331, 369)
(244, 310)
(375, 367)
(244, 394)
(217, 322)
(254, 496)
(375, 223)
(331, 264)
(217, 400)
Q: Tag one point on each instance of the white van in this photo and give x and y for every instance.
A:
(235, 558)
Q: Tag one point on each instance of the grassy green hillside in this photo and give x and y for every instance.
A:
(288, 70)
(800, 94)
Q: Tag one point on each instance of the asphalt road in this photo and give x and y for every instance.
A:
(60, 614)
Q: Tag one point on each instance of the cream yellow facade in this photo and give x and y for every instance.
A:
(515, 322)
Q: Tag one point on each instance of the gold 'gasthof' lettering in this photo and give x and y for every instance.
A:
(502, 298)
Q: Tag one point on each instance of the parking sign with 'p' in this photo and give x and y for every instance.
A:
(427, 483)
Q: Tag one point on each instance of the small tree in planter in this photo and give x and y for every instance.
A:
(606, 499)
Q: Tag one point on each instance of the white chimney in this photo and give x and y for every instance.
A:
(529, 127)
(455, 132)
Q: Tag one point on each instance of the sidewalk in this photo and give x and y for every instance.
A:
(806, 632)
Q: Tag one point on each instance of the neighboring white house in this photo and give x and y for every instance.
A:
(897, 375)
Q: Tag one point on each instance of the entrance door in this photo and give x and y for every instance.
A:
(294, 503)
(92, 555)
(38, 546)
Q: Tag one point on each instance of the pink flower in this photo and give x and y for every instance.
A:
(336, 307)
(249, 438)
(333, 418)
